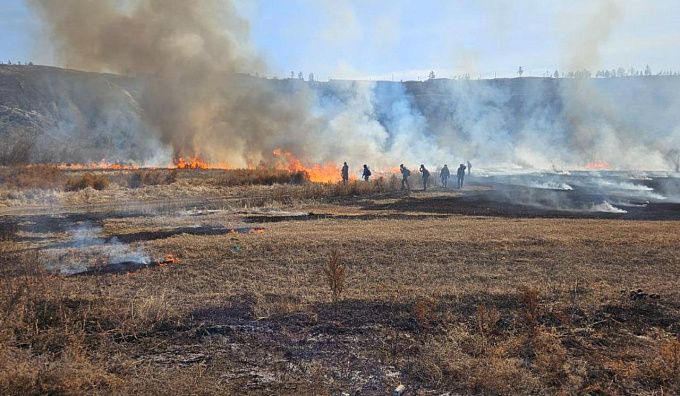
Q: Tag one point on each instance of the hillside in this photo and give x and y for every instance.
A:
(49, 114)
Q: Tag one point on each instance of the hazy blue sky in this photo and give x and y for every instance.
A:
(381, 38)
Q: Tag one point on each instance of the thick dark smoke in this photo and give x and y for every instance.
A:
(189, 54)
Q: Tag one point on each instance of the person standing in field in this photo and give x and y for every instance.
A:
(405, 173)
(444, 174)
(426, 176)
(345, 173)
(461, 175)
(367, 173)
(469, 168)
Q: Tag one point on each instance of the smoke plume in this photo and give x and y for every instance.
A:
(188, 54)
(192, 66)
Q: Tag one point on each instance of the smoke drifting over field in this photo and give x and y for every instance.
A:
(192, 98)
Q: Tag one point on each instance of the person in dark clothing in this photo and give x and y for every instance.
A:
(444, 175)
(461, 175)
(345, 173)
(469, 168)
(367, 173)
(426, 176)
(405, 173)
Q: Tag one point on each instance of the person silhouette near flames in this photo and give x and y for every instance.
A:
(345, 173)
(405, 173)
(461, 175)
(426, 176)
(444, 175)
(367, 173)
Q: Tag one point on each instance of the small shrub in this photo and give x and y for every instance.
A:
(335, 274)
(97, 182)
(423, 310)
(486, 319)
(530, 310)
(261, 176)
(550, 358)
(665, 368)
(32, 176)
(152, 177)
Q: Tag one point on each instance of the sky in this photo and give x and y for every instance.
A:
(404, 40)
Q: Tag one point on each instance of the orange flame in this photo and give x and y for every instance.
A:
(167, 260)
(170, 259)
(321, 173)
(597, 165)
(197, 163)
(283, 160)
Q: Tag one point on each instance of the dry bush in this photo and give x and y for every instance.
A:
(137, 315)
(486, 319)
(66, 334)
(70, 372)
(423, 310)
(335, 274)
(97, 182)
(550, 358)
(32, 176)
(242, 177)
(502, 376)
(23, 294)
(151, 177)
(360, 187)
(665, 367)
(445, 362)
(269, 305)
(530, 311)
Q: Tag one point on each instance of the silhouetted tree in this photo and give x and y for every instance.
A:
(556, 74)
(520, 71)
(292, 74)
(431, 75)
(648, 71)
(311, 77)
(300, 76)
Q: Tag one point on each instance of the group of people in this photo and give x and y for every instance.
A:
(444, 175)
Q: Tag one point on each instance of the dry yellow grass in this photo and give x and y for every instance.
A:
(471, 305)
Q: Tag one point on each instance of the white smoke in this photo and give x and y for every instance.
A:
(191, 100)
(87, 249)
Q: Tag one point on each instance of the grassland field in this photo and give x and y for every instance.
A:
(323, 289)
